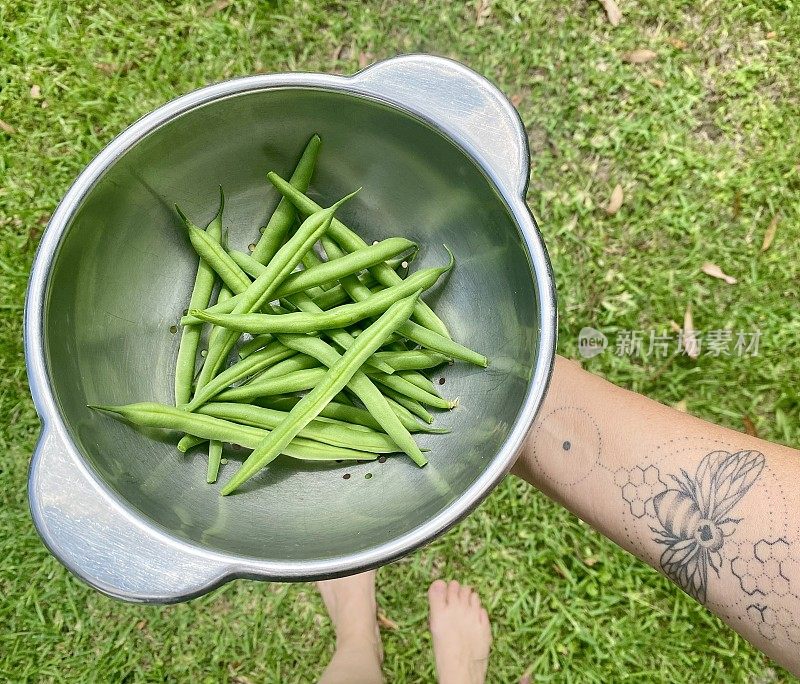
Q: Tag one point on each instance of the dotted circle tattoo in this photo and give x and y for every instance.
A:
(568, 445)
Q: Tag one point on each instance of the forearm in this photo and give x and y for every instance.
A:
(713, 509)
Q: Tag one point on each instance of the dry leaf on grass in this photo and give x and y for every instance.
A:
(612, 12)
(691, 345)
(217, 6)
(385, 621)
(615, 201)
(7, 127)
(749, 426)
(483, 9)
(639, 56)
(771, 35)
(516, 99)
(677, 43)
(716, 272)
(657, 82)
(36, 91)
(769, 236)
(737, 204)
(141, 625)
(681, 406)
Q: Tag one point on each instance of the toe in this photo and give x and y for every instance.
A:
(437, 593)
(474, 600)
(453, 591)
(484, 616)
(465, 593)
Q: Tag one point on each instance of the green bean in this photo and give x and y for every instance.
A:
(214, 460)
(290, 365)
(351, 242)
(402, 410)
(161, 416)
(400, 402)
(352, 415)
(282, 218)
(254, 345)
(335, 380)
(341, 337)
(190, 335)
(188, 442)
(362, 387)
(420, 380)
(325, 273)
(215, 340)
(328, 433)
(443, 345)
(255, 363)
(297, 381)
(415, 332)
(212, 252)
(409, 389)
(418, 359)
(338, 317)
(282, 264)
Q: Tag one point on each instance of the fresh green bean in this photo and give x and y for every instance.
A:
(188, 442)
(409, 389)
(283, 217)
(212, 252)
(325, 273)
(417, 333)
(297, 381)
(293, 363)
(320, 431)
(351, 242)
(335, 380)
(254, 345)
(353, 415)
(190, 335)
(155, 415)
(420, 380)
(418, 359)
(214, 460)
(338, 317)
(400, 402)
(361, 386)
(282, 264)
(215, 340)
(255, 363)
(341, 337)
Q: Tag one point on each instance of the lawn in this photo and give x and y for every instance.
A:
(704, 139)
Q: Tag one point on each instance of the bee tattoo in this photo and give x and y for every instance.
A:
(693, 516)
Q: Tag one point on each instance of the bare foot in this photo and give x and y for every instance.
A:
(461, 633)
(351, 606)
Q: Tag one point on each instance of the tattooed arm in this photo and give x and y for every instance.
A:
(715, 510)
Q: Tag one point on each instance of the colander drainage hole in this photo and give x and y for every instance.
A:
(368, 476)
(173, 329)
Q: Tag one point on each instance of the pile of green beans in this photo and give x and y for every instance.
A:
(316, 348)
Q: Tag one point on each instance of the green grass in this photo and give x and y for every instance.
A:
(705, 141)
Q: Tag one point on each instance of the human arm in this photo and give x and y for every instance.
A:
(714, 510)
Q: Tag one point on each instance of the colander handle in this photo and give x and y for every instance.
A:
(462, 103)
(101, 542)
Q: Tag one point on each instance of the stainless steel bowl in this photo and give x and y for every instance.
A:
(443, 158)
